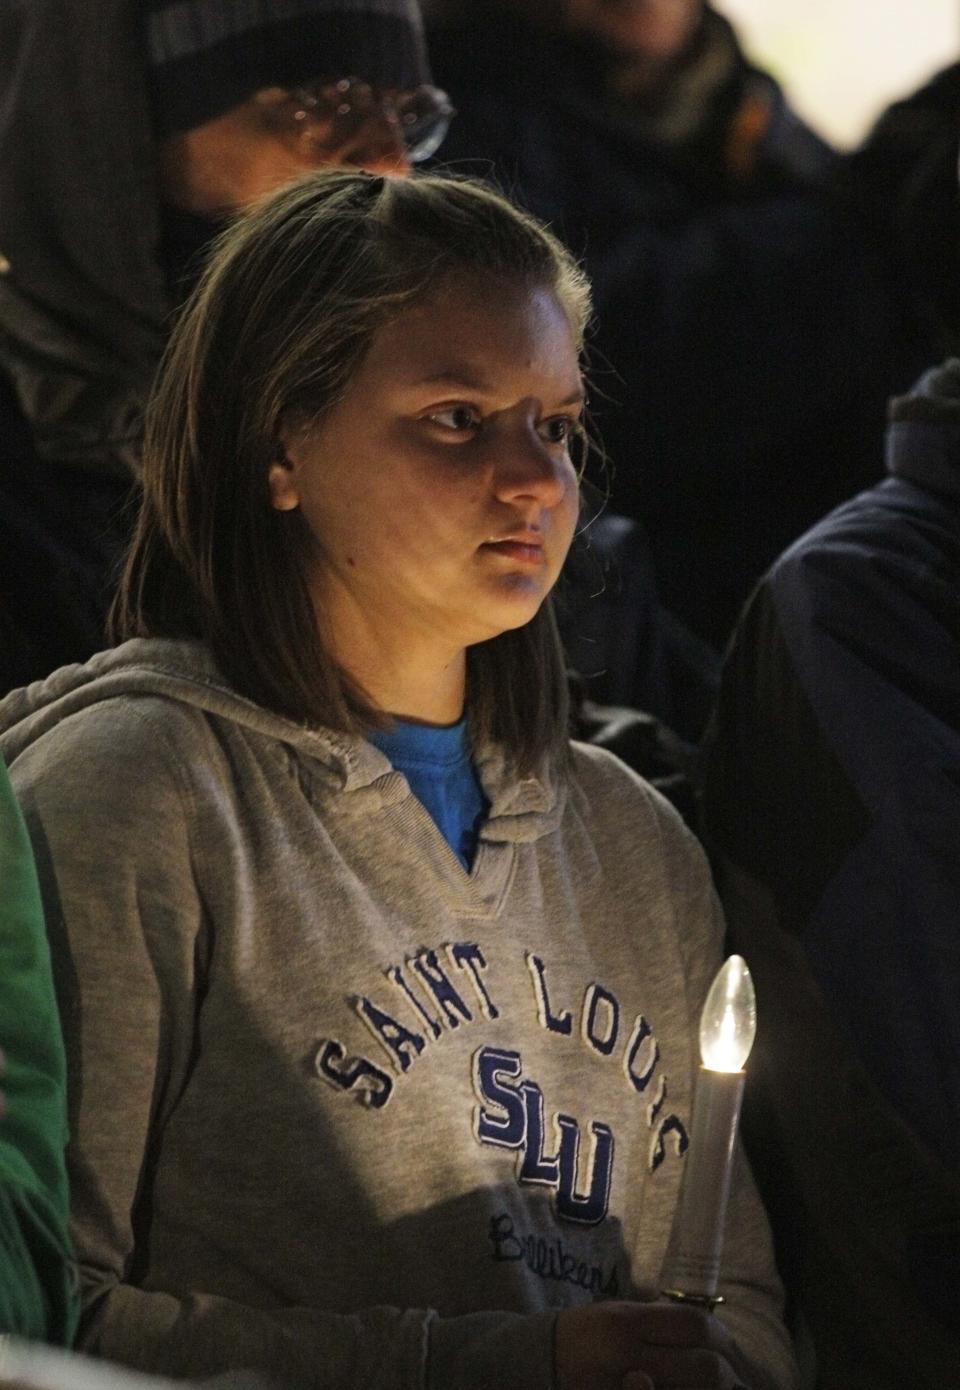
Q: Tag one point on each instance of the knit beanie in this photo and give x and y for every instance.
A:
(205, 56)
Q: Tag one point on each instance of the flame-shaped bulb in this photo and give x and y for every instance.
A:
(728, 1024)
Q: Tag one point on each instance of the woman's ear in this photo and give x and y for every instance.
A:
(282, 482)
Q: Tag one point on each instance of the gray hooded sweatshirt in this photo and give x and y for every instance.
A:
(342, 1112)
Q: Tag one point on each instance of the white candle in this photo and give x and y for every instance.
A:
(728, 1025)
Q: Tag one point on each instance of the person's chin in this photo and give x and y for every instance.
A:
(517, 601)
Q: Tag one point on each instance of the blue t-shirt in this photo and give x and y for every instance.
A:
(436, 761)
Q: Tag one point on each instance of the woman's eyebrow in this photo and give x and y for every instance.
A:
(463, 378)
(455, 375)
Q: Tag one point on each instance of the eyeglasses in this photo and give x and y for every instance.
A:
(334, 117)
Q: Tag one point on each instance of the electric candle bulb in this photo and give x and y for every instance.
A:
(728, 1025)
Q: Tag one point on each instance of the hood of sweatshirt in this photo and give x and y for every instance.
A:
(337, 767)
(923, 438)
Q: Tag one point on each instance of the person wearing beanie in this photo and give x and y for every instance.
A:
(129, 132)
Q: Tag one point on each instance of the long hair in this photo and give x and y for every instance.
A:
(272, 335)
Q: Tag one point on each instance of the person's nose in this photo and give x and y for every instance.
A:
(380, 148)
(528, 470)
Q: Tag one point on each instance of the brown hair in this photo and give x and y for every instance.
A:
(273, 333)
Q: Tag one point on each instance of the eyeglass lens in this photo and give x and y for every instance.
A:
(422, 117)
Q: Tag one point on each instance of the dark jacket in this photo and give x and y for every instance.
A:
(903, 181)
(627, 649)
(83, 309)
(83, 303)
(740, 361)
(92, 266)
(833, 807)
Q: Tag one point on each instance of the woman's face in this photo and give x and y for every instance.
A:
(441, 488)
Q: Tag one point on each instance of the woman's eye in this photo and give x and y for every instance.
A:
(459, 418)
(557, 430)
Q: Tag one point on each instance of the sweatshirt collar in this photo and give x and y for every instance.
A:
(344, 773)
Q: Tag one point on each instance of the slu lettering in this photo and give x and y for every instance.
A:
(511, 1116)
(550, 1259)
(502, 1120)
(373, 1087)
(590, 1208)
(536, 1170)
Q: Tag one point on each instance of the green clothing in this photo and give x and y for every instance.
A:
(36, 1294)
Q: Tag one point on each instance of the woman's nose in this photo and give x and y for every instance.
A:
(529, 468)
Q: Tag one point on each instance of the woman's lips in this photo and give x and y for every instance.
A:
(526, 550)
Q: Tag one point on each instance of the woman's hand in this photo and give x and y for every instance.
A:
(646, 1346)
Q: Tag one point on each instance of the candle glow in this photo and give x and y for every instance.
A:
(728, 1024)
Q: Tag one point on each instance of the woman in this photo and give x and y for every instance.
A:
(380, 996)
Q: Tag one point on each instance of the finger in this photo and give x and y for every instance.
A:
(672, 1324)
(687, 1368)
(683, 1325)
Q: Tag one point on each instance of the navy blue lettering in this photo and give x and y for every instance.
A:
(506, 1246)
(671, 1125)
(468, 956)
(505, 1123)
(640, 1069)
(397, 976)
(589, 1208)
(550, 1259)
(537, 1169)
(606, 1040)
(454, 1007)
(375, 1084)
(397, 1039)
(656, 1105)
(555, 1023)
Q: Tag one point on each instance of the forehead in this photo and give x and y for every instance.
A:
(478, 326)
